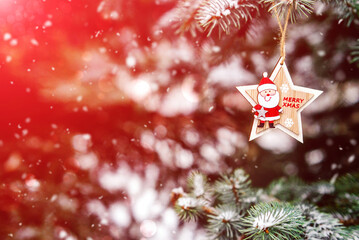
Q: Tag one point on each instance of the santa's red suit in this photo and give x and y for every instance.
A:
(271, 114)
(263, 113)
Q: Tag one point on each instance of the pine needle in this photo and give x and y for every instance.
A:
(226, 15)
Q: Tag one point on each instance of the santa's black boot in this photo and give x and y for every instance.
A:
(271, 125)
(260, 125)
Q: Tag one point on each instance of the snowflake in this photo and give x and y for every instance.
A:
(284, 88)
(288, 122)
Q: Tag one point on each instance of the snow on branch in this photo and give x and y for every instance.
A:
(226, 14)
(320, 225)
(225, 223)
(301, 213)
(298, 8)
(274, 220)
(234, 188)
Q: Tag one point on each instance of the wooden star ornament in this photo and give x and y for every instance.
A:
(283, 113)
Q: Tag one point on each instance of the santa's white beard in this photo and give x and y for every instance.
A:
(272, 100)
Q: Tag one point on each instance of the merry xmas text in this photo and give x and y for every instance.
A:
(292, 102)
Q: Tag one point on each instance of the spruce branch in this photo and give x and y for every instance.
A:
(348, 182)
(316, 192)
(299, 8)
(188, 209)
(190, 206)
(228, 216)
(321, 225)
(273, 221)
(225, 223)
(233, 188)
(186, 11)
(350, 10)
(353, 232)
(227, 15)
(346, 208)
(287, 189)
(197, 184)
(355, 52)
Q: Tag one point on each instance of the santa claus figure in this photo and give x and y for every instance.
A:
(267, 108)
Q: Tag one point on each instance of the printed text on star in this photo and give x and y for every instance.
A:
(292, 102)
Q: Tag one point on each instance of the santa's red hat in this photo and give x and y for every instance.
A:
(266, 84)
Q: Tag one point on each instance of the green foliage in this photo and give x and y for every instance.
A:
(287, 209)
(355, 52)
(349, 10)
(314, 193)
(225, 14)
(353, 232)
(346, 208)
(235, 18)
(347, 183)
(187, 208)
(321, 225)
(233, 188)
(286, 189)
(197, 184)
(273, 221)
(225, 223)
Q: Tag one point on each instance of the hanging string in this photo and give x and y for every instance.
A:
(282, 41)
(278, 19)
(283, 31)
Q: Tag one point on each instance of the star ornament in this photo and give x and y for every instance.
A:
(292, 100)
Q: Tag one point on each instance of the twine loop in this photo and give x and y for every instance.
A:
(283, 31)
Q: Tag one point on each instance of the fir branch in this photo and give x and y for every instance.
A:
(287, 189)
(225, 223)
(197, 183)
(315, 192)
(322, 225)
(186, 11)
(355, 52)
(190, 206)
(188, 209)
(273, 221)
(351, 200)
(234, 188)
(353, 232)
(299, 7)
(350, 10)
(226, 14)
(346, 208)
(348, 183)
